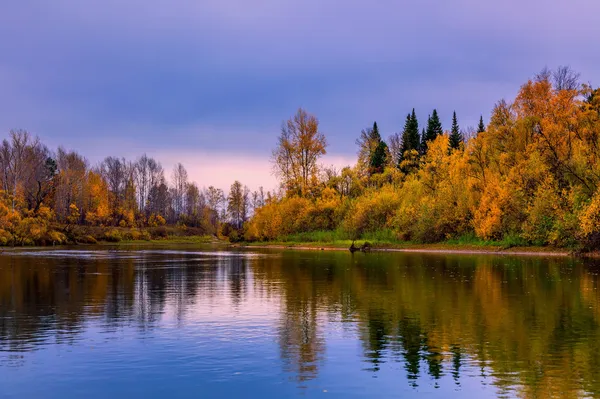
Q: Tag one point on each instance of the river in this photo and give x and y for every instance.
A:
(205, 322)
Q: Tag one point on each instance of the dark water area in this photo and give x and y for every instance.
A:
(184, 323)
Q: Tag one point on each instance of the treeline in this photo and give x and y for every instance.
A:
(530, 177)
(50, 196)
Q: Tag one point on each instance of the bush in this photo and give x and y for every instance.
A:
(371, 212)
(6, 238)
(113, 235)
(159, 232)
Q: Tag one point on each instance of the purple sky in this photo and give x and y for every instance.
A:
(209, 82)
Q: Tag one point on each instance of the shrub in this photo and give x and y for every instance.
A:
(113, 235)
(6, 238)
(159, 232)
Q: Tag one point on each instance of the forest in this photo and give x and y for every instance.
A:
(57, 197)
(530, 177)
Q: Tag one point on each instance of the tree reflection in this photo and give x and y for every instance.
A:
(531, 325)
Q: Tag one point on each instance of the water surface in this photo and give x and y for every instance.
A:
(212, 323)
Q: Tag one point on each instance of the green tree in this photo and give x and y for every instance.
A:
(379, 158)
(378, 154)
(434, 129)
(423, 143)
(455, 136)
(410, 136)
(481, 127)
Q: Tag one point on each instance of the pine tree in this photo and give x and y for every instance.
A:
(481, 127)
(455, 136)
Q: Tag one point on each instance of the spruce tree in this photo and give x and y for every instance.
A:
(423, 145)
(378, 158)
(434, 129)
(374, 135)
(378, 151)
(414, 131)
(481, 127)
(455, 135)
(410, 135)
(405, 140)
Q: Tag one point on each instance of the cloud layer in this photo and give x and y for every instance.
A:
(219, 76)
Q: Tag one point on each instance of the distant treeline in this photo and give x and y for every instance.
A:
(530, 177)
(46, 196)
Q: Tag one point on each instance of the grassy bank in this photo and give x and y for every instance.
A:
(384, 240)
(85, 235)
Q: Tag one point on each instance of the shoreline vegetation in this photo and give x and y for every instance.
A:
(528, 181)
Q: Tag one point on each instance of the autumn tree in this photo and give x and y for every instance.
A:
(299, 147)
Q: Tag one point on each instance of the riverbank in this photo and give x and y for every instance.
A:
(440, 248)
(490, 248)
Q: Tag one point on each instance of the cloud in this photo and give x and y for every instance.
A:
(220, 76)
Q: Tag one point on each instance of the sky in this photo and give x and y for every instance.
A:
(209, 82)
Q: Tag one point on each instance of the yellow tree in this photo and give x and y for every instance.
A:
(299, 147)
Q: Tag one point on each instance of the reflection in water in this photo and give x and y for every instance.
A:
(527, 326)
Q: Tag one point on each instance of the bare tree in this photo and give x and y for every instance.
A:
(41, 171)
(215, 198)
(14, 161)
(70, 184)
(194, 200)
(395, 146)
(180, 181)
(258, 199)
(238, 204)
(564, 78)
(114, 171)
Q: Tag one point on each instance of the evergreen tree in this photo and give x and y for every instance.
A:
(367, 143)
(378, 158)
(378, 151)
(455, 136)
(434, 128)
(374, 135)
(423, 144)
(414, 131)
(410, 135)
(481, 127)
